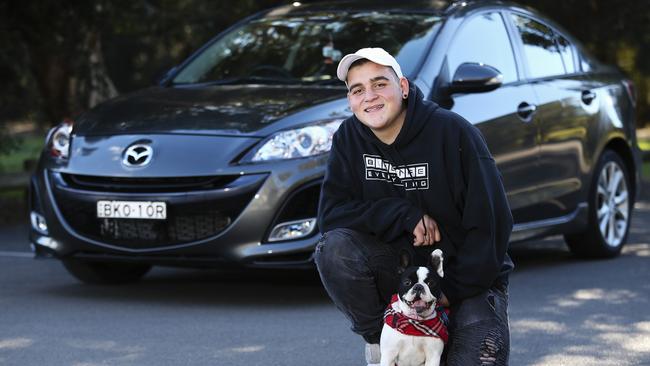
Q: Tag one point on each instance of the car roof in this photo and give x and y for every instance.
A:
(431, 6)
(438, 7)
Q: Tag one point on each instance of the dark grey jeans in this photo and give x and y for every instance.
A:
(360, 275)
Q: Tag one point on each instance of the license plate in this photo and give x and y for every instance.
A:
(132, 210)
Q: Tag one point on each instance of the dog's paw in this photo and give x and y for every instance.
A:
(436, 261)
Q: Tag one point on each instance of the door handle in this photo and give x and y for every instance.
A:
(525, 111)
(588, 96)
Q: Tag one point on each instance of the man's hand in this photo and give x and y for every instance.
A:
(428, 236)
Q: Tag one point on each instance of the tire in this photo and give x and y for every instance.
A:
(105, 273)
(610, 209)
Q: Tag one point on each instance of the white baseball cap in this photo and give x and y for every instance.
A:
(374, 54)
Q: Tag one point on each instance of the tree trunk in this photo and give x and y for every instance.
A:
(99, 85)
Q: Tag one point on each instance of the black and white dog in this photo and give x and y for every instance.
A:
(414, 332)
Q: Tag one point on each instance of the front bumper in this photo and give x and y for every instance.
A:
(223, 225)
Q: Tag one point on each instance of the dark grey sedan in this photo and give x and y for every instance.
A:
(221, 163)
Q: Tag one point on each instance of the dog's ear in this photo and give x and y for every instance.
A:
(436, 262)
(404, 261)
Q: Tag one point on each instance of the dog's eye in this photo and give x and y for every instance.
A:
(407, 282)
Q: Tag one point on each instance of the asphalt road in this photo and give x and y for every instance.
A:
(563, 311)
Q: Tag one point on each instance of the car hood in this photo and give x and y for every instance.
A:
(232, 110)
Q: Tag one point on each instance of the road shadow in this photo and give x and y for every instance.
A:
(581, 312)
(544, 252)
(275, 288)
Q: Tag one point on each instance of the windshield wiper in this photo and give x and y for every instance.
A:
(252, 80)
(326, 82)
(263, 80)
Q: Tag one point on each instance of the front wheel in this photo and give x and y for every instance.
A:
(610, 209)
(105, 273)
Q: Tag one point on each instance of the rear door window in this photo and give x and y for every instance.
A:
(484, 39)
(540, 48)
(567, 52)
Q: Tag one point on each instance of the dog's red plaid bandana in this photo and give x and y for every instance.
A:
(424, 328)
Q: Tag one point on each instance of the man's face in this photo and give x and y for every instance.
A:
(376, 98)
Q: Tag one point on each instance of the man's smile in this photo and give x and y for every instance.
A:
(374, 108)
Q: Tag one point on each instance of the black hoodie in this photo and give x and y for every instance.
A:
(440, 165)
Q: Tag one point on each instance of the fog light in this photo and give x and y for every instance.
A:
(38, 223)
(293, 229)
(48, 242)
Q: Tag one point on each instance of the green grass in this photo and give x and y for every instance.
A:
(645, 171)
(644, 145)
(29, 147)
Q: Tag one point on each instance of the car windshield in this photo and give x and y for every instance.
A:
(306, 49)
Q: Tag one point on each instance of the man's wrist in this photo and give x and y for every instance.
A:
(412, 219)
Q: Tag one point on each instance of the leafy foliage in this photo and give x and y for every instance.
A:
(61, 58)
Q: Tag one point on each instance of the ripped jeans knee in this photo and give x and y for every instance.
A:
(479, 333)
(492, 348)
(481, 344)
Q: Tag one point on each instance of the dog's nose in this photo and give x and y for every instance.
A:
(418, 288)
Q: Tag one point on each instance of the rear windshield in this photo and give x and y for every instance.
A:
(306, 49)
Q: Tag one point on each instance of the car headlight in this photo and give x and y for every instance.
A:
(300, 142)
(58, 140)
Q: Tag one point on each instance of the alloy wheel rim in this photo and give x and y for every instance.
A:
(612, 197)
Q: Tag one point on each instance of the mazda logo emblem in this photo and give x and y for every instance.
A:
(137, 155)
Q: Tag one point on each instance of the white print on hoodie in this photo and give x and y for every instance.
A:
(411, 176)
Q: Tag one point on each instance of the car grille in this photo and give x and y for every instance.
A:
(152, 185)
(190, 217)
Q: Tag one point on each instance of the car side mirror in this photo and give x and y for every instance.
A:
(471, 77)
